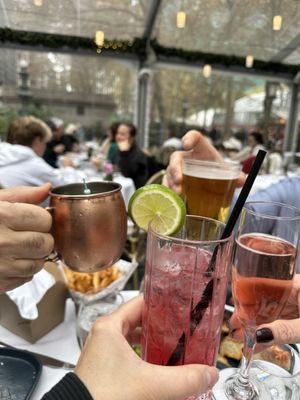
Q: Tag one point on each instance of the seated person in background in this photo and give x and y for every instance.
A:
(57, 145)
(21, 161)
(172, 141)
(69, 139)
(109, 146)
(274, 164)
(248, 154)
(129, 158)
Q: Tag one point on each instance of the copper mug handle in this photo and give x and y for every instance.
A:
(53, 256)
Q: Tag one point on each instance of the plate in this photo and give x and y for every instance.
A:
(19, 374)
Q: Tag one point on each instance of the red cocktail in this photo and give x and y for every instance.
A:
(185, 294)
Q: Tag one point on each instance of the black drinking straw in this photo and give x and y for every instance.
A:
(198, 311)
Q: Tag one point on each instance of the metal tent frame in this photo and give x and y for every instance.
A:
(152, 61)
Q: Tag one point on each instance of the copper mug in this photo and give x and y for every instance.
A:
(89, 230)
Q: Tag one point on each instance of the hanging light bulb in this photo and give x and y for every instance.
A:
(277, 22)
(38, 3)
(206, 71)
(99, 38)
(181, 19)
(249, 61)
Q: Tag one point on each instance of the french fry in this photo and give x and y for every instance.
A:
(91, 282)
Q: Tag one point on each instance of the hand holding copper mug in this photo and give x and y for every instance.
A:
(89, 230)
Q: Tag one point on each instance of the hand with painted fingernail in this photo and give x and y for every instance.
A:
(196, 146)
(285, 330)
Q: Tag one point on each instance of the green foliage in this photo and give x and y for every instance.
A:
(41, 112)
(6, 116)
(54, 41)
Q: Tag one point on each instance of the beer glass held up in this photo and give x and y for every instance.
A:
(89, 230)
(209, 186)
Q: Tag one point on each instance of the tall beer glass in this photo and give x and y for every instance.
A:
(208, 187)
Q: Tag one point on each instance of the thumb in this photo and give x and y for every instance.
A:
(26, 194)
(201, 147)
(281, 331)
(186, 380)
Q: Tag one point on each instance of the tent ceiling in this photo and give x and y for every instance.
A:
(229, 27)
(119, 19)
(224, 27)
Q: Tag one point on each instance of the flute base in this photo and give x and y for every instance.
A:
(226, 390)
(236, 391)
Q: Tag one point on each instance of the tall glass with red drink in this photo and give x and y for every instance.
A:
(185, 290)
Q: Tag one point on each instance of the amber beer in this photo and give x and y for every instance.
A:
(208, 187)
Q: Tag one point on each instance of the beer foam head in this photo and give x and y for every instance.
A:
(211, 170)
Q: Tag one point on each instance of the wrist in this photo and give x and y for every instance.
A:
(69, 388)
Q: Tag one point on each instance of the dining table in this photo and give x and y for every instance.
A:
(60, 343)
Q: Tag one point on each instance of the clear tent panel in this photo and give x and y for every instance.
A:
(91, 91)
(119, 19)
(229, 27)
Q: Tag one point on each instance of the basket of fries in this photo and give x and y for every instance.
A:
(87, 287)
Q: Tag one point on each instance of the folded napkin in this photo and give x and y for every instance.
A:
(27, 296)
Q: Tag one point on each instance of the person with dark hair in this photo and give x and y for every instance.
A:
(129, 158)
(109, 146)
(247, 155)
(55, 146)
(255, 142)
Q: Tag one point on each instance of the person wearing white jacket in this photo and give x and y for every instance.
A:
(21, 161)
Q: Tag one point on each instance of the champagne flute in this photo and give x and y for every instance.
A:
(262, 278)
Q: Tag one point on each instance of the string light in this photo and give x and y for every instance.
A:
(249, 61)
(38, 3)
(181, 19)
(206, 71)
(99, 38)
(277, 22)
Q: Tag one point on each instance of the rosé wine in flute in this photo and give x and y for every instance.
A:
(262, 278)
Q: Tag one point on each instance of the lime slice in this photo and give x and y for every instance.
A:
(159, 205)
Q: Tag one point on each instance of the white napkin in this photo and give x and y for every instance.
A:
(27, 296)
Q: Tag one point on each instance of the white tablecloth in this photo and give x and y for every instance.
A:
(60, 343)
(71, 175)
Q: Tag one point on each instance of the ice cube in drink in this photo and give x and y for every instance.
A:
(175, 280)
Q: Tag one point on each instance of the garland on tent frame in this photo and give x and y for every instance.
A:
(138, 46)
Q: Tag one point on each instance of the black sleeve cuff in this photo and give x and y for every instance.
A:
(69, 388)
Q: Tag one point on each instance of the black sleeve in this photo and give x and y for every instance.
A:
(69, 388)
(134, 164)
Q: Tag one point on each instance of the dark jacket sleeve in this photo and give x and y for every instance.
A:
(69, 388)
(133, 164)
